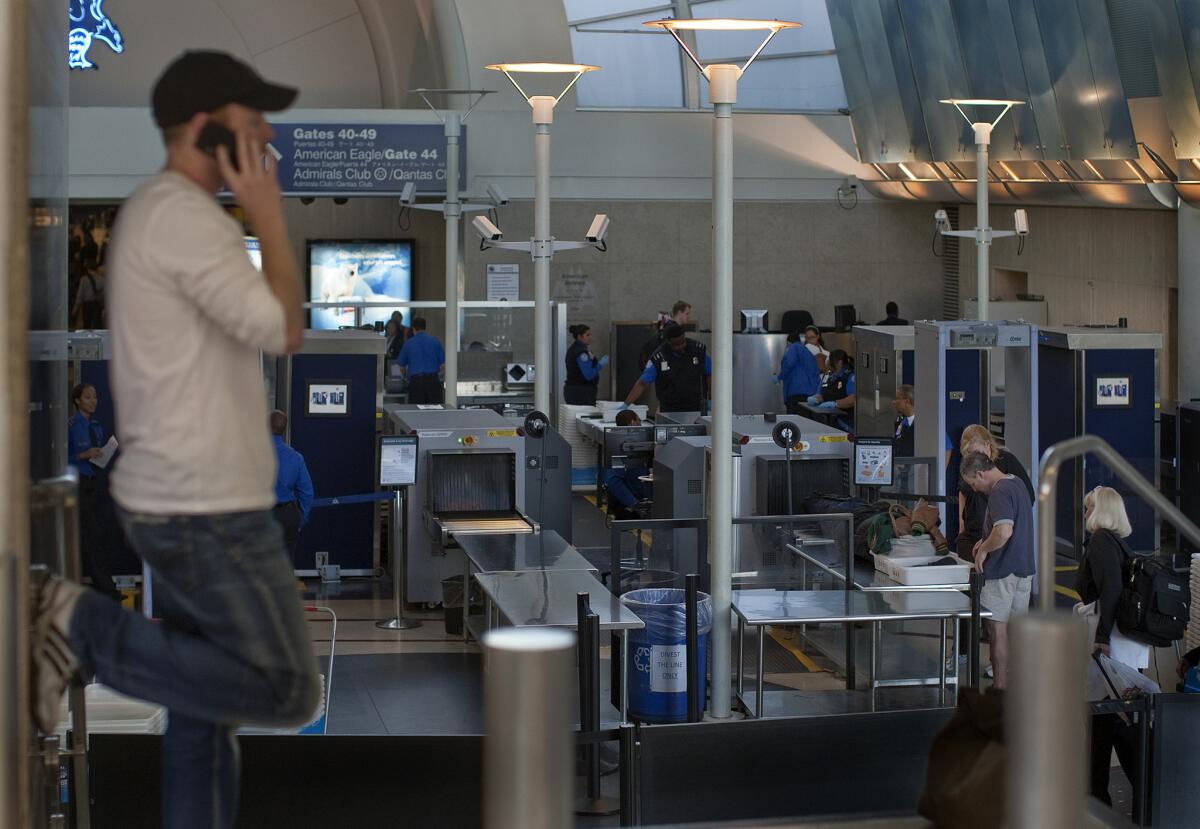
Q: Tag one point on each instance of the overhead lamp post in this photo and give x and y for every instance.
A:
(983, 234)
(542, 245)
(452, 209)
(722, 93)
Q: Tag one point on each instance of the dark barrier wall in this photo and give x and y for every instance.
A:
(340, 453)
(301, 782)
(791, 767)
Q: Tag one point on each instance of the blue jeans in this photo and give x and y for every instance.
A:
(232, 647)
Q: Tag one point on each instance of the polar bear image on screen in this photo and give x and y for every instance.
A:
(378, 271)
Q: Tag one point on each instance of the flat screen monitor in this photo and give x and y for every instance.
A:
(359, 270)
(844, 317)
(397, 460)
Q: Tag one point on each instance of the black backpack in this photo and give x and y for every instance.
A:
(1153, 608)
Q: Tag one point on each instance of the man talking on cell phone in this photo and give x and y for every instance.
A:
(189, 317)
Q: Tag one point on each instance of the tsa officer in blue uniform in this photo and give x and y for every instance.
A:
(626, 490)
(85, 437)
(799, 373)
(293, 486)
(422, 359)
(681, 372)
(583, 369)
(838, 390)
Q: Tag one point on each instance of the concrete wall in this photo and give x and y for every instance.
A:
(1093, 266)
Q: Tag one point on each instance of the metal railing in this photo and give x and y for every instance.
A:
(1052, 460)
(61, 494)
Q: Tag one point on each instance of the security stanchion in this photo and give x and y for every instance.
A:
(398, 470)
(691, 610)
(976, 587)
(592, 803)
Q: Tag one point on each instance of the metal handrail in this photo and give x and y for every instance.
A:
(1052, 459)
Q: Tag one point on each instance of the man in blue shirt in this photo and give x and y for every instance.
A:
(1005, 554)
(422, 360)
(85, 437)
(293, 486)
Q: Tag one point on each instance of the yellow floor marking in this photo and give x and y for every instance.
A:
(1068, 592)
(795, 651)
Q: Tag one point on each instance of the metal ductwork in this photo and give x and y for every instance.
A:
(1075, 142)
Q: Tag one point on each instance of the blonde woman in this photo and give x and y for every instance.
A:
(1099, 582)
(972, 505)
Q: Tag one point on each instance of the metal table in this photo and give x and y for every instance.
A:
(547, 598)
(509, 553)
(762, 607)
(866, 578)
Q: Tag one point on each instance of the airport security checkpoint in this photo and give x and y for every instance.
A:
(539, 414)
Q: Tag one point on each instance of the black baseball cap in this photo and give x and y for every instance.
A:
(201, 81)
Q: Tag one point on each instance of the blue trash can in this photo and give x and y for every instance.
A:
(657, 667)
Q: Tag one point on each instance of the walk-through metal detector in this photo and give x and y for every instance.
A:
(951, 393)
(1103, 382)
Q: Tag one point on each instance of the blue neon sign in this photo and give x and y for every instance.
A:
(89, 23)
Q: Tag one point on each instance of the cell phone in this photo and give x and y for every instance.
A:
(214, 135)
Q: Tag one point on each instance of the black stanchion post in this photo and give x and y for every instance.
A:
(973, 655)
(583, 607)
(589, 708)
(1141, 788)
(692, 653)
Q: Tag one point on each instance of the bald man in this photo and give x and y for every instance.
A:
(293, 486)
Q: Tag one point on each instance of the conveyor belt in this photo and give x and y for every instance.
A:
(484, 524)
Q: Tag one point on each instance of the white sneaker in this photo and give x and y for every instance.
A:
(53, 665)
(988, 672)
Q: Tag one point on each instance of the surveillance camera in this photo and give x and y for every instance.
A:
(850, 183)
(487, 231)
(598, 229)
(497, 195)
(1021, 222)
(408, 194)
(942, 220)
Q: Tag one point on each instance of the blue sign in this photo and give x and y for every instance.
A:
(363, 159)
(89, 23)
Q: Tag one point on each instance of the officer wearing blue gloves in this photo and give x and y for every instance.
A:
(681, 372)
(799, 373)
(583, 369)
(838, 390)
(623, 484)
(293, 486)
(422, 359)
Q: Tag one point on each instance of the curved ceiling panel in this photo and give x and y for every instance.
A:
(327, 48)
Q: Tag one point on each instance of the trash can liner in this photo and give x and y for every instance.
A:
(664, 610)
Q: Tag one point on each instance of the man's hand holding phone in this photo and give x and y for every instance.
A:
(251, 176)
